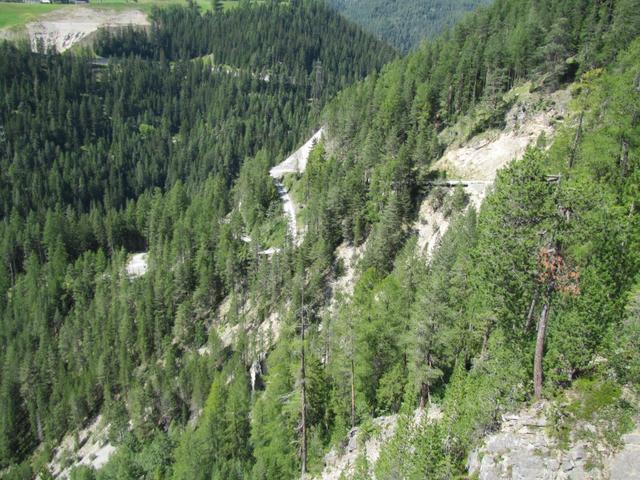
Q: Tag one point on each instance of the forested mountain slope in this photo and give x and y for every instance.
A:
(463, 329)
(405, 23)
(98, 161)
(533, 294)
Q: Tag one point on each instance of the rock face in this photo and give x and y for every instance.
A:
(137, 265)
(626, 463)
(482, 156)
(89, 447)
(340, 463)
(523, 450)
(342, 286)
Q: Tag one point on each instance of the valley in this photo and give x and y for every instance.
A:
(405, 24)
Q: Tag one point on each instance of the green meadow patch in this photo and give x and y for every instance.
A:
(19, 14)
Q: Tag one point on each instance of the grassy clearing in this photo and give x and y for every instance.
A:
(19, 14)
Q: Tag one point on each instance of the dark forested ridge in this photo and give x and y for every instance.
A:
(406, 23)
(62, 126)
(183, 174)
(324, 42)
(76, 135)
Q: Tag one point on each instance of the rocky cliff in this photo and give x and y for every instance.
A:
(523, 448)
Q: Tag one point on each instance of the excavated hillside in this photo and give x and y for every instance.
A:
(63, 29)
(473, 163)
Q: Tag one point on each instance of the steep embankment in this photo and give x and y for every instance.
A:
(264, 333)
(297, 161)
(473, 163)
(532, 114)
(289, 210)
(88, 447)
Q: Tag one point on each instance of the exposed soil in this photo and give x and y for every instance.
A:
(137, 265)
(62, 29)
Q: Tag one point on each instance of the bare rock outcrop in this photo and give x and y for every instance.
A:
(340, 462)
(89, 447)
(523, 449)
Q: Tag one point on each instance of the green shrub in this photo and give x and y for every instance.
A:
(595, 411)
(82, 473)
